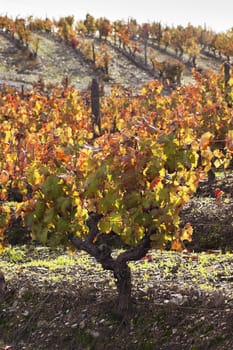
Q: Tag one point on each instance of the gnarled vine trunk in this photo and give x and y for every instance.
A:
(119, 266)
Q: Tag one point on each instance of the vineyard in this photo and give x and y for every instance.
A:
(125, 53)
(116, 140)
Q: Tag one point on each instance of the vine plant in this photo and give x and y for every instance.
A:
(132, 180)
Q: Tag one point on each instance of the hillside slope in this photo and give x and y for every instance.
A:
(57, 60)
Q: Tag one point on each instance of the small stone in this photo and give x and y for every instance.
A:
(25, 313)
(94, 333)
(82, 325)
(177, 299)
(74, 325)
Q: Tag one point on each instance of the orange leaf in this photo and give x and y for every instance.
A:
(4, 176)
(177, 245)
(60, 155)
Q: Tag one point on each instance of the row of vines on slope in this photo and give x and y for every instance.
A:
(22, 32)
(134, 39)
(189, 40)
(70, 184)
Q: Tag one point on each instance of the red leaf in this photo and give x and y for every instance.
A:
(147, 257)
(155, 182)
(218, 192)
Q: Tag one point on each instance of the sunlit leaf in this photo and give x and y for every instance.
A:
(205, 140)
(186, 233)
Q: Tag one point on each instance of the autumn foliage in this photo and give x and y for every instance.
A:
(133, 178)
(137, 174)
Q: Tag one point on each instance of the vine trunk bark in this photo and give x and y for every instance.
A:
(123, 281)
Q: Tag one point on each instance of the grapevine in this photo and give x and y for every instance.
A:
(70, 186)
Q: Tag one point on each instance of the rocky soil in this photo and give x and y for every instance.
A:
(59, 301)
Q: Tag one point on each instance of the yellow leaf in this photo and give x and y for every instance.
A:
(207, 155)
(37, 105)
(217, 163)
(143, 91)
(229, 140)
(186, 233)
(206, 139)
(218, 154)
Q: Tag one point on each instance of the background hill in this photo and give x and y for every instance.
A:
(57, 59)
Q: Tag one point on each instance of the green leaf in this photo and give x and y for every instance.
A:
(104, 225)
(39, 209)
(62, 225)
(52, 187)
(49, 215)
(107, 203)
(132, 199)
(116, 222)
(63, 203)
